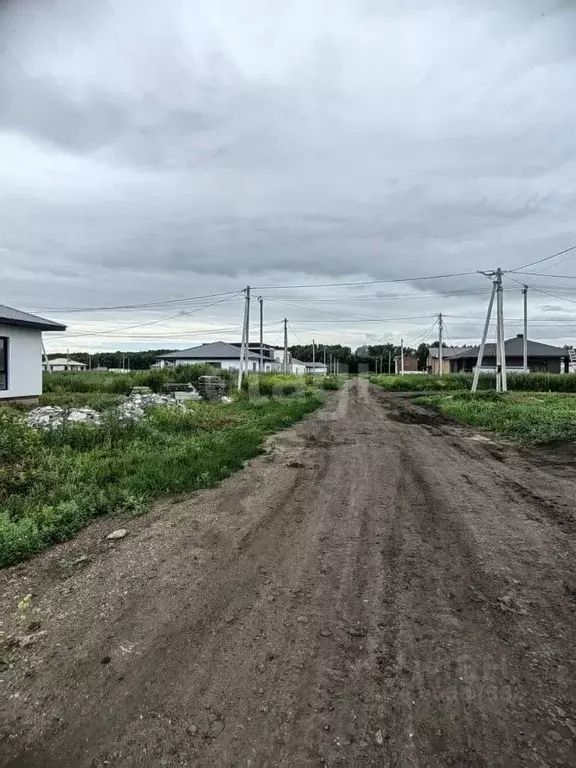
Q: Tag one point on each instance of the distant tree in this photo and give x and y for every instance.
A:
(422, 355)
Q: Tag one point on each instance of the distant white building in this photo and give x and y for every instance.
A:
(63, 364)
(219, 354)
(21, 353)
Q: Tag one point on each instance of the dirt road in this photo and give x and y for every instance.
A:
(382, 589)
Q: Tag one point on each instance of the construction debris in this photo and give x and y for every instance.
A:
(133, 409)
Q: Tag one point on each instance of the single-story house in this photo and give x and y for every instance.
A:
(218, 354)
(410, 364)
(542, 358)
(433, 360)
(63, 364)
(21, 353)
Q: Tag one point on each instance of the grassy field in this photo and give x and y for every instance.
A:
(518, 382)
(530, 418)
(52, 483)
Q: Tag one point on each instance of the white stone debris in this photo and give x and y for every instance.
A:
(133, 409)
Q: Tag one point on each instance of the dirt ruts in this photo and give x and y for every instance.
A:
(382, 588)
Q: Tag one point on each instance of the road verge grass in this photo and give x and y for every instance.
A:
(531, 419)
(53, 483)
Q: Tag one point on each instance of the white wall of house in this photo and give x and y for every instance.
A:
(61, 367)
(24, 361)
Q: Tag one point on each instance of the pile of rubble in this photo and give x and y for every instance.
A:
(53, 416)
(133, 409)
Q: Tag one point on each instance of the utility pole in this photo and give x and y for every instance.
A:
(261, 302)
(244, 345)
(389, 362)
(440, 342)
(500, 312)
(525, 340)
(313, 355)
(285, 345)
(484, 337)
(325, 358)
(401, 357)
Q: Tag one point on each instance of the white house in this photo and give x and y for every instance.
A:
(63, 364)
(218, 354)
(21, 353)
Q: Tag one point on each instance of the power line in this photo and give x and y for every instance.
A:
(366, 282)
(152, 322)
(546, 258)
(553, 295)
(137, 306)
(541, 274)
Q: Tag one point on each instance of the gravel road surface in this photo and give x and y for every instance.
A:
(382, 588)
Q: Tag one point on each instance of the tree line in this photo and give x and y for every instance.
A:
(370, 357)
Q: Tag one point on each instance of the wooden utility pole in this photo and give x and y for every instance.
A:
(261, 302)
(401, 357)
(525, 340)
(484, 337)
(285, 345)
(245, 339)
(440, 342)
(501, 345)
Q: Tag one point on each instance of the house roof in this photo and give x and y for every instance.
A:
(11, 316)
(65, 361)
(216, 350)
(446, 351)
(515, 348)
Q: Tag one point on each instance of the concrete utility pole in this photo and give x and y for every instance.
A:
(389, 361)
(525, 340)
(261, 302)
(325, 358)
(440, 342)
(484, 337)
(313, 355)
(244, 345)
(401, 357)
(502, 347)
(285, 345)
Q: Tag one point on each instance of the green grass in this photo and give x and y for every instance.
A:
(532, 419)
(53, 483)
(518, 382)
(122, 383)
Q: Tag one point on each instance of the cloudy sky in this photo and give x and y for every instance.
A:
(152, 152)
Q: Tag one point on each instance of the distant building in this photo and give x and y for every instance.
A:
(410, 364)
(21, 353)
(433, 360)
(542, 358)
(63, 364)
(219, 354)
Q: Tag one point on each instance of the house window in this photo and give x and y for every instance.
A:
(3, 362)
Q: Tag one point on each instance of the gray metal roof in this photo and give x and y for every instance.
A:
(10, 316)
(217, 350)
(515, 348)
(446, 351)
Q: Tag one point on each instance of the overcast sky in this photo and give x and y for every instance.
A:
(152, 151)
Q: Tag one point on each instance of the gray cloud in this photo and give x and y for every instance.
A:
(152, 151)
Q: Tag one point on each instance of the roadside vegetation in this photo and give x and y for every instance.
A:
(520, 382)
(53, 482)
(530, 418)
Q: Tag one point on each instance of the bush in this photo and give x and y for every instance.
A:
(528, 382)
